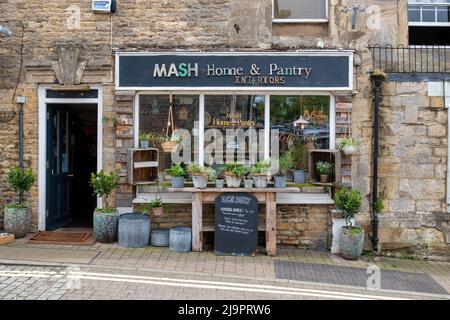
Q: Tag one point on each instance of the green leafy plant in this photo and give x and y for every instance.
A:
(235, 169)
(286, 162)
(349, 202)
(197, 170)
(176, 170)
(299, 155)
(261, 168)
(103, 185)
(324, 168)
(380, 206)
(21, 181)
(349, 142)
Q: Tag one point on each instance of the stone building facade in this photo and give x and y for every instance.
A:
(413, 136)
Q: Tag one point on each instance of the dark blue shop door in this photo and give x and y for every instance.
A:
(59, 180)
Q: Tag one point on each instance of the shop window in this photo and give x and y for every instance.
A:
(429, 22)
(300, 10)
(154, 117)
(306, 118)
(234, 128)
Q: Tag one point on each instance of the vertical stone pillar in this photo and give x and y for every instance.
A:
(124, 139)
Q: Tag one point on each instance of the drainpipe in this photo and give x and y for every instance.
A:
(446, 94)
(376, 83)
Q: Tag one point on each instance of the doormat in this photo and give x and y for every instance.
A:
(390, 280)
(68, 238)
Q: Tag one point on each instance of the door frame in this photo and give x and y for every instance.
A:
(43, 101)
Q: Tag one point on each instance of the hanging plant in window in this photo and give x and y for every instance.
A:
(170, 141)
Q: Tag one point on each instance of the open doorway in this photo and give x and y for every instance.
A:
(71, 157)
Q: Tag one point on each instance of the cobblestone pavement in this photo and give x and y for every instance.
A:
(157, 273)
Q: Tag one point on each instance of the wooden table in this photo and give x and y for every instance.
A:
(209, 195)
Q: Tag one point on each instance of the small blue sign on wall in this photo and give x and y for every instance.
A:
(234, 71)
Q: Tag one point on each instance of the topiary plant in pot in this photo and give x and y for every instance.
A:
(352, 238)
(177, 172)
(17, 215)
(105, 219)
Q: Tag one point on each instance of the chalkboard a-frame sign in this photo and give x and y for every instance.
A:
(236, 224)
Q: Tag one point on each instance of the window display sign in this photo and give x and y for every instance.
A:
(275, 71)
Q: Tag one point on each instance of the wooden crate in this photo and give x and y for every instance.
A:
(331, 156)
(142, 166)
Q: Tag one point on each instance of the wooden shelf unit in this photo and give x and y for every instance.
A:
(142, 166)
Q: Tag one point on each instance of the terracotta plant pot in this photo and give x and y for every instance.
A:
(16, 221)
(157, 211)
(105, 226)
(324, 178)
(351, 243)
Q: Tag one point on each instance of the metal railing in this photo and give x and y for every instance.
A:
(411, 59)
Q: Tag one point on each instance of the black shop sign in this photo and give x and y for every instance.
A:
(231, 71)
(236, 224)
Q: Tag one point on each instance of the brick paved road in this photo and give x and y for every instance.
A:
(61, 283)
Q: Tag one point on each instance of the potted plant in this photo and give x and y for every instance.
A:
(177, 172)
(285, 163)
(201, 175)
(260, 172)
(325, 169)
(220, 182)
(349, 146)
(17, 215)
(352, 238)
(105, 219)
(300, 159)
(169, 144)
(234, 173)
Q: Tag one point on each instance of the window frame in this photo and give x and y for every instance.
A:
(326, 20)
(420, 6)
(267, 95)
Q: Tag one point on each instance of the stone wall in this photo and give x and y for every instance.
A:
(413, 162)
(302, 226)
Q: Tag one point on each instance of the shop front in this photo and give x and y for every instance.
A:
(238, 108)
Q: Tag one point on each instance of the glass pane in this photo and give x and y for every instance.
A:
(443, 14)
(300, 9)
(305, 118)
(234, 128)
(414, 14)
(428, 14)
(154, 117)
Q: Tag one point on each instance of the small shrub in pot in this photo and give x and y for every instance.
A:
(17, 215)
(105, 219)
(352, 238)
(325, 169)
(177, 172)
(260, 172)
